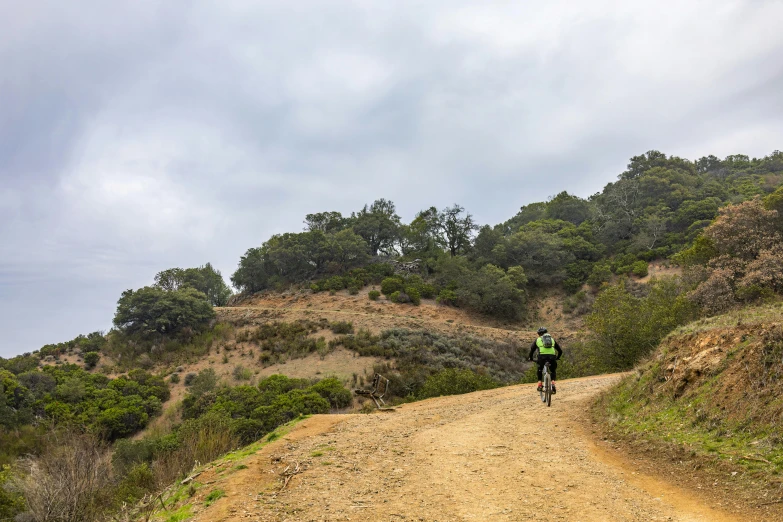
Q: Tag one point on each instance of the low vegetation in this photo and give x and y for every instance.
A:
(711, 390)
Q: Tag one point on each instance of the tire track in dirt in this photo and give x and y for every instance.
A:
(494, 455)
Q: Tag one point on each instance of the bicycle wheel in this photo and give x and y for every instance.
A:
(548, 390)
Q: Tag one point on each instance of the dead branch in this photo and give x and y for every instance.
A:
(288, 473)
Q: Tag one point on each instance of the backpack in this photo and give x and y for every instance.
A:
(547, 340)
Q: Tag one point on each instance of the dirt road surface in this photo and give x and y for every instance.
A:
(494, 455)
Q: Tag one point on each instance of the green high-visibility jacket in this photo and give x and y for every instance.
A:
(543, 350)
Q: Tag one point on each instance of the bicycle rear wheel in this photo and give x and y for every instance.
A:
(548, 390)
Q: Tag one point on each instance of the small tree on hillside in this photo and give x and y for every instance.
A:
(456, 227)
(378, 225)
(151, 310)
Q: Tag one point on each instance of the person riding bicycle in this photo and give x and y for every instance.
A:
(548, 351)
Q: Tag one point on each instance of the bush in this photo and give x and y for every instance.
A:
(91, 359)
(333, 391)
(454, 381)
(447, 297)
(204, 382)
(189, 378)
(391, 285)
(373, 295)
(601, 273)
(639, 268)
(400, 298)
(241, 373)
(427, 291)
(414, 295)
(70, 481)
(341, 327)
(174, 379)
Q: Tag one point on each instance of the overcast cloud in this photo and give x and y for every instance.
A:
(137, 136)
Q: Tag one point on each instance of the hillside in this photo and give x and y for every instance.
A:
(710, 397)
(438, 306)
(491, 455)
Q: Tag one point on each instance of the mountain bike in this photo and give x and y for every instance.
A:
(546, 388)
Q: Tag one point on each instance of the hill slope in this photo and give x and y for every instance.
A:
(711, 397)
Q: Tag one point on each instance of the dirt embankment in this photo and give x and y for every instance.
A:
(493, 455)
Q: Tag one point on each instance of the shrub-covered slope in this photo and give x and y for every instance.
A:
(713, 388)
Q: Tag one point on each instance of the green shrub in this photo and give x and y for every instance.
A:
(413, 295)
(333, 391)
(447, 297)
(174, 379)
(189, 378)
(601, 273)
(427, 291)
(91, 359)
(341, 327)
(639, 268)
(454, 381)
(241, 373)
(391, 285)
(373, 295)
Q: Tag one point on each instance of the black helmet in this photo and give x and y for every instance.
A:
(541, 331)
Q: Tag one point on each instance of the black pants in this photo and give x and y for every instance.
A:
(552, 359)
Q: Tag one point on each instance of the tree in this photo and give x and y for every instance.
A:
(208, 280)
(204, 279)
(543, 249)
(486, 241)
(346, 250)
(252, 274)
(421, 236)
(639, 164)
(151, 310)
(626, 328)
(526, 214)
(326, 222)
(456, 229)
(170, 279)
(743, 231)
(745, 257)
(568, 208)
(379, 225)
(652, 230)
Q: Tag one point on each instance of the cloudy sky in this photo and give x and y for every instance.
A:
(140, 135)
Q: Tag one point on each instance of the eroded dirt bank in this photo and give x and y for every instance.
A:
(494, 455)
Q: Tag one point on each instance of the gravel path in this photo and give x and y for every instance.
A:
(495, 455)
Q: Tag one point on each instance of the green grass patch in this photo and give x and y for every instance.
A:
(213, 496)
(693, 423)
(281, 431)
(179, 515)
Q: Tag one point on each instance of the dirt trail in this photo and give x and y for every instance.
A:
(494, 455)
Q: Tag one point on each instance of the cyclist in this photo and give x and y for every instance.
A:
(548, 350)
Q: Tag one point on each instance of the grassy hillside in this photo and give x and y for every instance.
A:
(712, 391)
